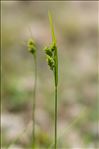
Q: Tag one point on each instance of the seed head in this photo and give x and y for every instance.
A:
(31, 46)
(50, 56)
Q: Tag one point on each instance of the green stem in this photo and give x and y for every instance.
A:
(34, 101)
(56, 109)
(56, 86)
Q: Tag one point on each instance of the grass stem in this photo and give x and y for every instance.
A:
(34, 101)
(56, 109)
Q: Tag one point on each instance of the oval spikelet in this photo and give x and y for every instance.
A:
(31, 46)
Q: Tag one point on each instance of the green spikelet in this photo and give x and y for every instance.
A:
(31, 46)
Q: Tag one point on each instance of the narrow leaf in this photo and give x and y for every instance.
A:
(52, 28)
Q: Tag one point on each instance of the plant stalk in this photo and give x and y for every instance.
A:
(56, 109)
(34, 101)
(56, 87)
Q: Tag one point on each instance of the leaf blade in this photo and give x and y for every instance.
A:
(52, 27)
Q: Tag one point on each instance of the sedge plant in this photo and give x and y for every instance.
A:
(52, 60)
(32, 49)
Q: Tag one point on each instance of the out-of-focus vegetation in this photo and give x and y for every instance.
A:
(76, 28)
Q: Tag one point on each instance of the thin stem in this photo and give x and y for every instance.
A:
(56, 109)
(56, 85)
(34, 101)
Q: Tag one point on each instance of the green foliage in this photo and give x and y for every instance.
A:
(18, 99)
(43, 140)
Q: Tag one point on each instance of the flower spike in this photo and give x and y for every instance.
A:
(31, 46)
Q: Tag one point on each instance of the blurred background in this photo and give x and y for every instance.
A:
(76, 29)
